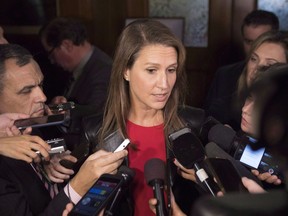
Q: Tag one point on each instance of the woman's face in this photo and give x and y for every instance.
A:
(152, 77)
(266, 54)
(246, 121)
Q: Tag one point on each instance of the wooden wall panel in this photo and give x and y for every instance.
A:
(201, 62)
(76, 8)
(106, 18)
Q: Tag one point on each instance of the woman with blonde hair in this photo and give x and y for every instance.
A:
(268, 49)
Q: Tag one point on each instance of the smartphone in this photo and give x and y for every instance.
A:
(62, 107)
(123, 145)
(42, 121)
(226, 175)
(98, 196)
(261, 160)
(115, 142)
(58, 145)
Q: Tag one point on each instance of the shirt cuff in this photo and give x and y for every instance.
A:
(72, 194)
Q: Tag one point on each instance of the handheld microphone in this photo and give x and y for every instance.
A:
(240, 148)
(206, 127)
(154, 171)
(189, 151)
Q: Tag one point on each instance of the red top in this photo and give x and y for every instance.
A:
(150, 143)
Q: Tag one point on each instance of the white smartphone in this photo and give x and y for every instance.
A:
(123, 145)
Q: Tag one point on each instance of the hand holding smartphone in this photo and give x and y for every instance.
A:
(123, 145)
(42, 121)
(98, 196)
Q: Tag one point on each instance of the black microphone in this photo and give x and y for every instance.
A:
(189, 151)
(241, 148)
(206, 127)
(154, 171)
(226, 138)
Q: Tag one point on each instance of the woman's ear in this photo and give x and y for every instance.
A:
(127, 75)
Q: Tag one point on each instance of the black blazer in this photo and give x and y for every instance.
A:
(90, 90)
(91, 87)
(221, 98)
(23, 193)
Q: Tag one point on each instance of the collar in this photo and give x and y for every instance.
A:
(79, 69)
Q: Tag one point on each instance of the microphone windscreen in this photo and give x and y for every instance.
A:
(187, 148)
(206, 127)
(222, 135)
(214, 151)
(154, 169)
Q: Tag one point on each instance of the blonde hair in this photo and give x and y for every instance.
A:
(276, 37)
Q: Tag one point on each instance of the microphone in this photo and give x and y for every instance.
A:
(240, 148)
(189, 151)
(226, 138)
(154, 171)
(206, 127)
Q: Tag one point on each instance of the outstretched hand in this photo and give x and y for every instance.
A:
(95, 165)
(24, 148)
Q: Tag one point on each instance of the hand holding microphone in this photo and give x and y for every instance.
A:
(241, 149)
(189, 151)
(154, 171)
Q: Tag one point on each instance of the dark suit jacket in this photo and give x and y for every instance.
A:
(91, 87)
(23, 193)
(220, 101)
(90, 90)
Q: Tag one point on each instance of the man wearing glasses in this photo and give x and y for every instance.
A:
(67, 45)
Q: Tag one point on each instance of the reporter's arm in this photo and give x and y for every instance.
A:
(24, 148)
(95, 165)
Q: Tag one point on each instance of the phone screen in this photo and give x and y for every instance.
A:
(262, 160)
(40, 121)
(252, 157)
(97, 197)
